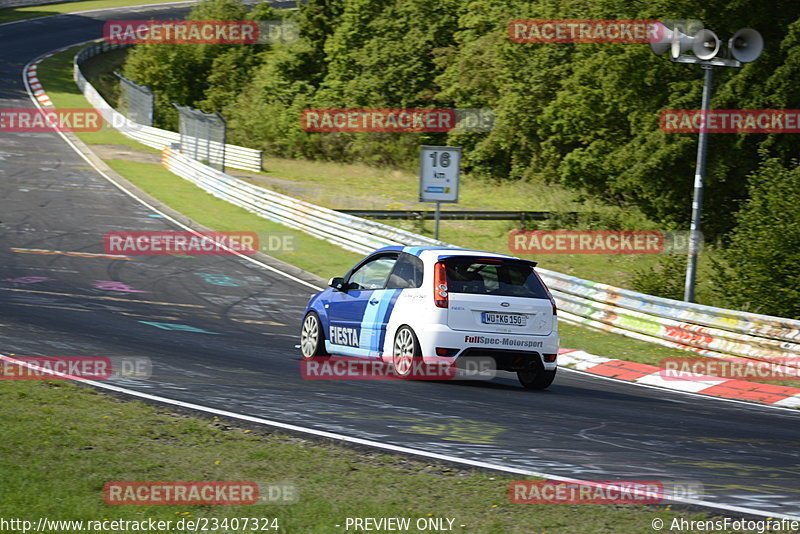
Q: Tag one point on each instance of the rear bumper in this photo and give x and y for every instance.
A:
(508, 360)
(510, 352)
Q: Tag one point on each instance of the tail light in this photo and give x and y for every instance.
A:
(440, 285)
(553, 302)
(549, 295)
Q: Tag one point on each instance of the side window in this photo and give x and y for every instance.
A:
(373, 274)
(407, 273)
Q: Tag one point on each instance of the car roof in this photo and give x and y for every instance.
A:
(430, 252)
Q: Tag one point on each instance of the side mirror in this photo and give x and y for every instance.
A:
(336, 283)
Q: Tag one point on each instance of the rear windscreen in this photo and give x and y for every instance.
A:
(509, 278)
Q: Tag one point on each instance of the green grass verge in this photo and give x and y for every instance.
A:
(313, 255)
(57, 72)
(353, 186)
(62, 442)
(310, 253)
(12, 14)
(615, 346)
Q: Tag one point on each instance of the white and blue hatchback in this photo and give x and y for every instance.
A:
(404, 303)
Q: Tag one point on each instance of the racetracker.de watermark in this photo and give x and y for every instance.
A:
(198, 493)
(600, 242)
(47, 120)
(199, 32)
(730, 121)
(184, 243)
(397, 120)
(74, 368)
(782, 368)
(433, 368)
(584, 31)
(602, 491)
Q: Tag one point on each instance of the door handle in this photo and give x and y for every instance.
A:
(374, 301)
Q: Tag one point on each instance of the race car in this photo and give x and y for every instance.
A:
(407, 304)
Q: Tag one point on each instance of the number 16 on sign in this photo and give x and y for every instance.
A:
(438, 176)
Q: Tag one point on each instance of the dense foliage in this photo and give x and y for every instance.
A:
(582, 115)
(761, 269)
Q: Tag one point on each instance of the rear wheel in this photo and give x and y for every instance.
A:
(536, 379)
(405, 351)
(312, 340)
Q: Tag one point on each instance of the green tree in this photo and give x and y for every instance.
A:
(583, 115)
(198, 75)
(761, 258)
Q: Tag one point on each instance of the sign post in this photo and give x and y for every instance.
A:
(439, 168)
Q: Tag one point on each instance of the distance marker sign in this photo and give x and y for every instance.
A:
(438, 173)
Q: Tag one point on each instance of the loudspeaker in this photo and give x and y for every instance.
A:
(680, 43)
(662, 44)
(669, 39)
(705, 44)
(746, 45)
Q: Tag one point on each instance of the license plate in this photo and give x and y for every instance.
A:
(503, 318)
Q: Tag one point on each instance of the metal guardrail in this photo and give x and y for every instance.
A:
(349, 232)
(461, 215)
(238, 157)
(702, 329)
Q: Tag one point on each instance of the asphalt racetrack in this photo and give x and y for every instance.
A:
(221, 331)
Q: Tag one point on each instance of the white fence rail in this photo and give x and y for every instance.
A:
(238, 157)
(349, 232)
(702, 329)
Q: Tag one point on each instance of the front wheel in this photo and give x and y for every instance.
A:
(312, 340)
(539, 379)
(405, 352)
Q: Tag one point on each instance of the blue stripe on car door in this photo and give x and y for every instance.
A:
(387, 312)
(366, 338)
(372, 336)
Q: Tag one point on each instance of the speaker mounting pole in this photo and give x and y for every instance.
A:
(745, 46)
(697, 200)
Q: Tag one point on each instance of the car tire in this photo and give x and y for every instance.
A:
(312, 338)
(405, 352)
(536, 379)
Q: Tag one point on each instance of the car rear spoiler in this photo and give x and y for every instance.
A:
(510, 259)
